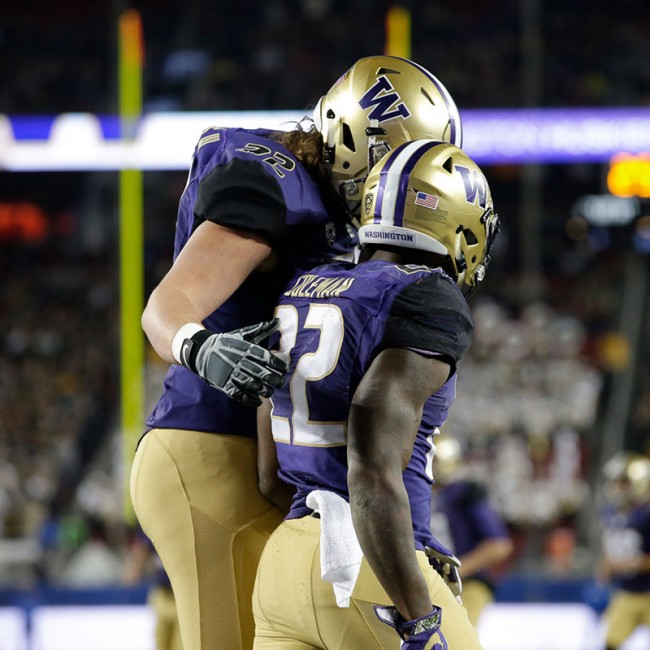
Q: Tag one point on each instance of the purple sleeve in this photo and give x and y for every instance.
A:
(488, 523)
(248, 181)
(430, 316)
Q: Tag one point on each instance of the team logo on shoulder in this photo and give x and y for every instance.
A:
(330, 233)
(368, 202)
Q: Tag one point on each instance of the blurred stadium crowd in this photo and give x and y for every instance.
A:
(533, 389)
(282, 54)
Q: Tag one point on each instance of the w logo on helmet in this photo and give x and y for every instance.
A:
(383, 102)
(476, 187)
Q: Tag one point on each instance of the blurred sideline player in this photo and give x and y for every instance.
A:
(625, 561)
(258, 205)
(474, 531)
(142, 563)
(372, 351)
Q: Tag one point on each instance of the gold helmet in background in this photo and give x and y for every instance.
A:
(447, 460)
(432, 196)
(627, 477)
(378, 104)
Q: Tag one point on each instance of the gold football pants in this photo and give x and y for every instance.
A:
(167, 632)
(476, 597)
(626, 611)
(295, 609)
(195, 495)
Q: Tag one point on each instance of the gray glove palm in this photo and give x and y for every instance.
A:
(235, 363)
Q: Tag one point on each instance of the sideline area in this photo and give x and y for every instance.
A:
(504, 626)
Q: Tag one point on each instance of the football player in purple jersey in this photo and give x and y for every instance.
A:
(258, 205)
(142, 563)
(625, 560)
(463, 516)
(372, 352)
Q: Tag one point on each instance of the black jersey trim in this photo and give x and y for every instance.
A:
(240, 194)
(430, 314)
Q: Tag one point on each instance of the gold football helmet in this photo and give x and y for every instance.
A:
(431, 196)
(447, 460)
(379, 103)
(627, 477)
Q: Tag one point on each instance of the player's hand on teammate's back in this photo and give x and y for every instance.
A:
(415, 634)
(235, 363)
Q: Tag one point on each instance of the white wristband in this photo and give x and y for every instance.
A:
(184, 332)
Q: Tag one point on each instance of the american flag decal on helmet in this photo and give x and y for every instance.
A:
(426, 200)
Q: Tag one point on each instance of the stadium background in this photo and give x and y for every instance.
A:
(558, 378)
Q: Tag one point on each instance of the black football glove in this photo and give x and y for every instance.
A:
(234, 363)
(414, 634)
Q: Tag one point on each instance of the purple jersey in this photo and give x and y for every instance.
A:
(335, 320)
(469, 517)
(626, 536)
(246, 179)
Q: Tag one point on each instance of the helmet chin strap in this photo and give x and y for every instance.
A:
(479, 274)
(376, 150)
(351, 190)
(350, 195)
(330, 146)
(461, 269)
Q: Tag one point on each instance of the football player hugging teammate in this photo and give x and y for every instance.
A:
(258, 205)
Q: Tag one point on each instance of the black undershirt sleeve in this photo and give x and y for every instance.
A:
(239, 194)
(430, 315)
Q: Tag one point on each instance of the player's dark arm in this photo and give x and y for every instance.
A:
(270, 484)
(384, 418)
